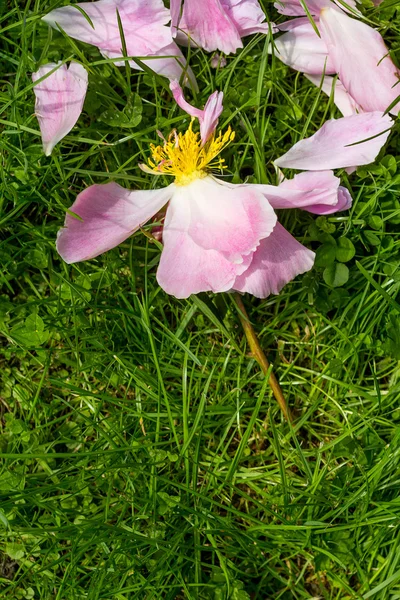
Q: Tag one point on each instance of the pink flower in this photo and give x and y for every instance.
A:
(145, 29)
(346, 46)
(59, 100)
(219, 236)
(216, 24)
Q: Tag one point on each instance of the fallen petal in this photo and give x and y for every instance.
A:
(109, 215)
(345, 103)
(278, 259)
(344, 202)
(344, 142)
(247, 16)
(361, 59)
(293, 8)
(301, 48)
(59, 101)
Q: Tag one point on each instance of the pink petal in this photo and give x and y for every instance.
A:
(110, 215)
(186, 267)
(175, 10)
(301, 48)
(344, 202)
(360, 58)
(332, 146)
(208, 117)
(293, 8)
(59, 101)
(247, 16)
(144, 23)
(278, 259)
(231, 219)
(304, 190)
(345, 103)
(207, 24)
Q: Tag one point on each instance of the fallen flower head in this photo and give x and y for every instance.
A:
(217, 236)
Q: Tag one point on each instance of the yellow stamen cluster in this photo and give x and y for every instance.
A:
(184, 157)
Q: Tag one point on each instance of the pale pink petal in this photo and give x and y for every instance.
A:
(345, 103)
(230, 219)
(344, 202)
(110, 214)
(207, 24)
(59, 101)
(304, 190)
(361, 60)
(301, 48)
(278, 259)
(175, 10)
(247, 16)
(186, 267)
(171, 66)
(340, 143)
(208, 118)
(293, 8)
(143, 21)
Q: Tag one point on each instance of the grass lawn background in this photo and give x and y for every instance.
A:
(143, 455)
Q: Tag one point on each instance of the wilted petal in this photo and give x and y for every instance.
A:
(293, 8)
(208, 117)
(175, 10)
(361, 59)
(247, 16)
(302, 49)
(110, 214)
(278, 259)
(345, 103)
(185, 266)
(344, 202)
(59, 101)
(207, 24)
(230, 219)
(340, 143)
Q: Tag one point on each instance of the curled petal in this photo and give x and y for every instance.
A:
(109, 214)
(175, 10)
(278, 259)
(208, 117)
(302, 49)
(345, 103)
(344, 202)
(361, 59)
(59, 101)
(346, 142)
(208, 25)
(247, 16)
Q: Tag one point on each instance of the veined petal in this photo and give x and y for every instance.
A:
(247, 16)
(59, 101)
(341, 97)
(175, 10)
(143, 21)
(346, 142)
(293, 8)
(361, 59)
(207, 24)
(110, 214)
(301, 48)
(278, 259)
(208, 118)
(186, 267)
(230, 219)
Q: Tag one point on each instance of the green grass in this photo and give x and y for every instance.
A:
(143, 456)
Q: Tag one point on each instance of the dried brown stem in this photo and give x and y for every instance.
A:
(259, 355)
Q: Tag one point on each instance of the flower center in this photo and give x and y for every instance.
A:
(184, 157)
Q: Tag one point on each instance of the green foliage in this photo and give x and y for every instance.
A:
(141, 456)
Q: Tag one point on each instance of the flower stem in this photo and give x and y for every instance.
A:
(259, 355)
